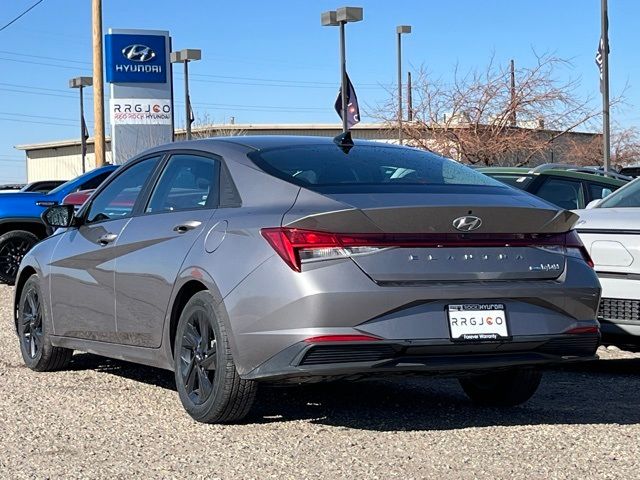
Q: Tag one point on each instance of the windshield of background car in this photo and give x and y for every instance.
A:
(627, 196)
(318, 167)
(512, 179)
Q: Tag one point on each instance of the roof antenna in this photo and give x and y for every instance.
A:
(344, 141)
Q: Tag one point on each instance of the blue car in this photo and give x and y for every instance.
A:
(20, 224)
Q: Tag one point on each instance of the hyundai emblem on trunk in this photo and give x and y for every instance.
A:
(467, 223)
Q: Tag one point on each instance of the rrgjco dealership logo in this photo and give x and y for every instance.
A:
(129, 111)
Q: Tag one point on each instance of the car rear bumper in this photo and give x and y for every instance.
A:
(308, 362)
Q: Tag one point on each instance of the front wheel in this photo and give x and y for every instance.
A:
(37, 352)
(502, 389)
(208, 383)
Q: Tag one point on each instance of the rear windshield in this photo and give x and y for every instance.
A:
(320, 166)
(625, 197)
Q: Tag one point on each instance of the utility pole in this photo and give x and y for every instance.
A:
(409, 99)
(513, 121)
(606, 140)
(98, 83)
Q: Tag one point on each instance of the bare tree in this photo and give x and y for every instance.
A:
(625, 148)
(472, 117)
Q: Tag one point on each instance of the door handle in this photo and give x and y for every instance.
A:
(186, 226)
(107, 238)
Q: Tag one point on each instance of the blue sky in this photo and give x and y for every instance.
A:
(272, 62)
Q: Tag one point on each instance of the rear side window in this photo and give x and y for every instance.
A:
(319, 166)
(188, 182)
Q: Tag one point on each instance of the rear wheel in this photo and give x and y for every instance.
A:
(37, 352)
(13, 246)
(208, 383)
(504, 389)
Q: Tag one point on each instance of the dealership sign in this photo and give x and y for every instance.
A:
(136, 58)
(141, 105)
(140, 111)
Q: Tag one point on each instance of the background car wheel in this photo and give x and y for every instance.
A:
(504, 389)
(35, 346)
(208, 383)
(13, 246)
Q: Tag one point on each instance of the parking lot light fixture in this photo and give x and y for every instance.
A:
(185, 56)
(400, 29)
(80, 83)
(339, 18)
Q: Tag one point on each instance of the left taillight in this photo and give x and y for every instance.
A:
(299, 246)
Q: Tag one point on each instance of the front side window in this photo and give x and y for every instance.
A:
(319, 166)
(119, 197)
(598, 191)
(188, 182)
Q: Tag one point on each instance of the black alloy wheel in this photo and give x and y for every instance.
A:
(31, 331)
(13, 247)
(198, 357)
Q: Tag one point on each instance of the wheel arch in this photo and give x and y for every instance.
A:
(29, 225)
(188, 290)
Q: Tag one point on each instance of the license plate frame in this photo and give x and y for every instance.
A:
(478, 322)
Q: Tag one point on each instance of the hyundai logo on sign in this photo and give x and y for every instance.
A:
(138, 53)
(467, 223)
(136, 58)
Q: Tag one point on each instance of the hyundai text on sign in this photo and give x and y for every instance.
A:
(136, 58)
(142, 111)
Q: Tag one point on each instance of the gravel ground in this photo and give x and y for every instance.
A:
(105, 418)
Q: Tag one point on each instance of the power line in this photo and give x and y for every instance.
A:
(8, 52)
(21, 15)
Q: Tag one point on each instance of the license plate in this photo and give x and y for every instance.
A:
(483, 322)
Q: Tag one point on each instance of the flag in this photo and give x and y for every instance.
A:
(353, 112)
(85, 135)
(599, 56)
(192, 117)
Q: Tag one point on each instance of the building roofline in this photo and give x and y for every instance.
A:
(253, 127)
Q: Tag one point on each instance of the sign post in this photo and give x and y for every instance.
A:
(141, 104)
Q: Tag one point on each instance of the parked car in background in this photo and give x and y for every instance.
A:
(239, 260)
(20, 223)
(565, 186)
(633, 171)
(42, 186)
(77, 199)
(11, 187)
(610, 231)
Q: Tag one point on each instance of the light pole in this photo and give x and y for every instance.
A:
(341, 17)
(185, 56)
(400, 29)
(80, 83)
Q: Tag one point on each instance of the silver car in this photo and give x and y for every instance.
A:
(243, 260)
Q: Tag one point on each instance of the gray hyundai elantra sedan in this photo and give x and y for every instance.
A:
(236, 261)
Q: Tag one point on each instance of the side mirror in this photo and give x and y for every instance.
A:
(592, 204)
(58, 216)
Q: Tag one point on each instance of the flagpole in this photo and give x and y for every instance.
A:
(606, 140)
(343, 73)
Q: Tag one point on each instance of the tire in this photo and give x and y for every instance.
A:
(209, 386)
(503, 389)
(35, 345)
(13, 246)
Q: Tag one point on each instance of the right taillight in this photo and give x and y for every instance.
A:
(576, 248)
